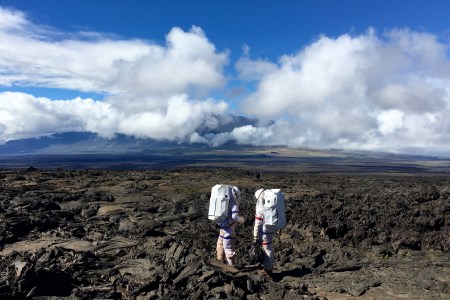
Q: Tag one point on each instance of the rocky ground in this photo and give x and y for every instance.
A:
(97, 234)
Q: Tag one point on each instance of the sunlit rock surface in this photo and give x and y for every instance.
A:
(97, 234)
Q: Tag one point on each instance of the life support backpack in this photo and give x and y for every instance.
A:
(273, 209)
(219, 202)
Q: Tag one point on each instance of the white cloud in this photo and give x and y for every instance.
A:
(415, 96)
(189, 61)
(11, 19)
(181, 118)
(148, 87)
(100, 64)
(369, 92)
(390, 120)
(23, 116)
(31, 56)
(386, 92)
(254, 69)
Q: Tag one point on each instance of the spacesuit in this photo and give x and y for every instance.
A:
(264, 234)
(226, 242)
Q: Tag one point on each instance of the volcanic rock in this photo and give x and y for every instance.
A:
(104, 234)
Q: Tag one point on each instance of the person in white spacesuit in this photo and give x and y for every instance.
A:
(264, 234)
(226, 243)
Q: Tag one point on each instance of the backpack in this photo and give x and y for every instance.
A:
(272, 201)
(219, 202)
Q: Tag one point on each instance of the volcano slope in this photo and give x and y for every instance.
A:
(97, 234)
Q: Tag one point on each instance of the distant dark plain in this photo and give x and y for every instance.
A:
(255, 161)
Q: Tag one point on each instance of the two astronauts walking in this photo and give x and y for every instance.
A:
(269, 217)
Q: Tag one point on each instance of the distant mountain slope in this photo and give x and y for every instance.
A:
(87, 142)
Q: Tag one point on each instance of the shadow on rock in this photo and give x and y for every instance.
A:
(296, 272)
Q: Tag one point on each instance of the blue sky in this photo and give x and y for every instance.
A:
(271, 29)
(357, 75)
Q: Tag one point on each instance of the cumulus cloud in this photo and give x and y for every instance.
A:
(149, 89)
(31, 56)
(101, 64)
(23, 115)
(370, 91)
(384, 92)
(253, 69)
(181, 118)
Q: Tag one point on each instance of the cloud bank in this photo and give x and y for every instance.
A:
(370, 91)
(150, 89)
(388, 93)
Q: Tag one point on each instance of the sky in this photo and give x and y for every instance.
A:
(343, 74)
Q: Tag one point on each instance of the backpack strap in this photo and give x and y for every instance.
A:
(261, 193)
(257, 199)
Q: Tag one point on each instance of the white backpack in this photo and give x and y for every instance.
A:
(273, 209)
(219, 202)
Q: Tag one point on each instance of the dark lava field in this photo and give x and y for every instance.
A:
(104, 234)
